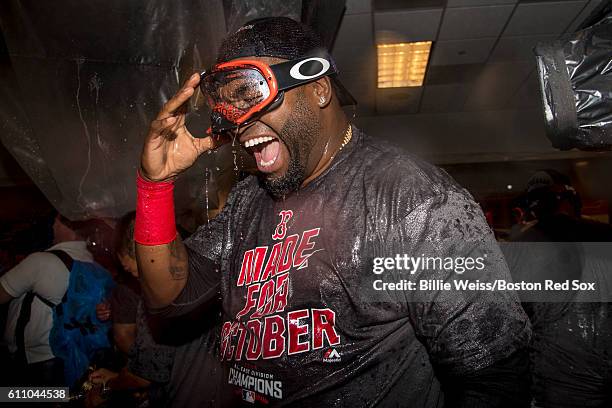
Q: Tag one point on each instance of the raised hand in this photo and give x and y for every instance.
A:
(169, 147)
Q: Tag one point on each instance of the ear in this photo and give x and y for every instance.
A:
(322, 91)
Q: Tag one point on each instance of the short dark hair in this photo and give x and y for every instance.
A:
(280, 37)
(78, 227)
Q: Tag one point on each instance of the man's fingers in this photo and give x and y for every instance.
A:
(181, 96)
(104, 315)
(177, 100)
(193, 81)
(210, 142)
(167, 122)
(203, 144)
(163, 125)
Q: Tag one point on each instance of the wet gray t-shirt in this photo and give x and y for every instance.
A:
(301, 325)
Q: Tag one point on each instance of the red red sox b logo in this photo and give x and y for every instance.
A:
(281, 228)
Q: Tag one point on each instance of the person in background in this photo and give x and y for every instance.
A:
(557, 207)
(126, 296)
(36, 285)
(148, 364)
(6, 263)
(571, 349)
(168, 372)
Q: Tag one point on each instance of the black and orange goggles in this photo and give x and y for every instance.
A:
(240, 91)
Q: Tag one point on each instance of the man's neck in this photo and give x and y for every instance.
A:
(338, 129)
(66, 241)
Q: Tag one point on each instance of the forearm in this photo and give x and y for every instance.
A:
(124, 336)
(200, 292)
(163, 271)
(127, 381)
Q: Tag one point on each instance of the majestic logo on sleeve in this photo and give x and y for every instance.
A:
(331, 356)
(260, 329)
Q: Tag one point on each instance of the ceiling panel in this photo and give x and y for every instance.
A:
(452, 74)
(518, 48)
(444, 98)
(391, 101)
(366, 106)
(474, 22)
(584, 14)
(462, 51)
(528, 95)
(472, 3)
(497, 84)
(472, 68)
(358, 6)
(543, 18)
(380, 5)
(405, 26)
(354, 45)
(362, 85)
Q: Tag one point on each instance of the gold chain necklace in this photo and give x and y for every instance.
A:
(347, 137)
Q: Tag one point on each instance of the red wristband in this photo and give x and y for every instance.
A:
(154, 223)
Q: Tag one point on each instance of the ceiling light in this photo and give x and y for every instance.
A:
(402, 64)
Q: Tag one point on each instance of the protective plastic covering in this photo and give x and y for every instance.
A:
(83, 81)
(239, 12)
(576, 83)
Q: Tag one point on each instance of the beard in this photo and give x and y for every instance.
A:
(299, 134)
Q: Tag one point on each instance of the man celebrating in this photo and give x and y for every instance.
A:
(294, 245)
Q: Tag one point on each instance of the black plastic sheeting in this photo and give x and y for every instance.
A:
(84, 79)
(576, 83)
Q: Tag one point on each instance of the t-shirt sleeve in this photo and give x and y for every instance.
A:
(124, 303)
(463, 330)
(22, 278)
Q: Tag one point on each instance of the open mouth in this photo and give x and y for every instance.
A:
(266, 150)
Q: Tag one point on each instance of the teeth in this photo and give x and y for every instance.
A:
(268, 163)
(258, 140)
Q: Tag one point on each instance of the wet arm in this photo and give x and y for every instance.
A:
(163, 271)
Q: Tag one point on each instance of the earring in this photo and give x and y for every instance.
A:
(321, 100)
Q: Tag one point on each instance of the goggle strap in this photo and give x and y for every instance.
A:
(298, 72)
